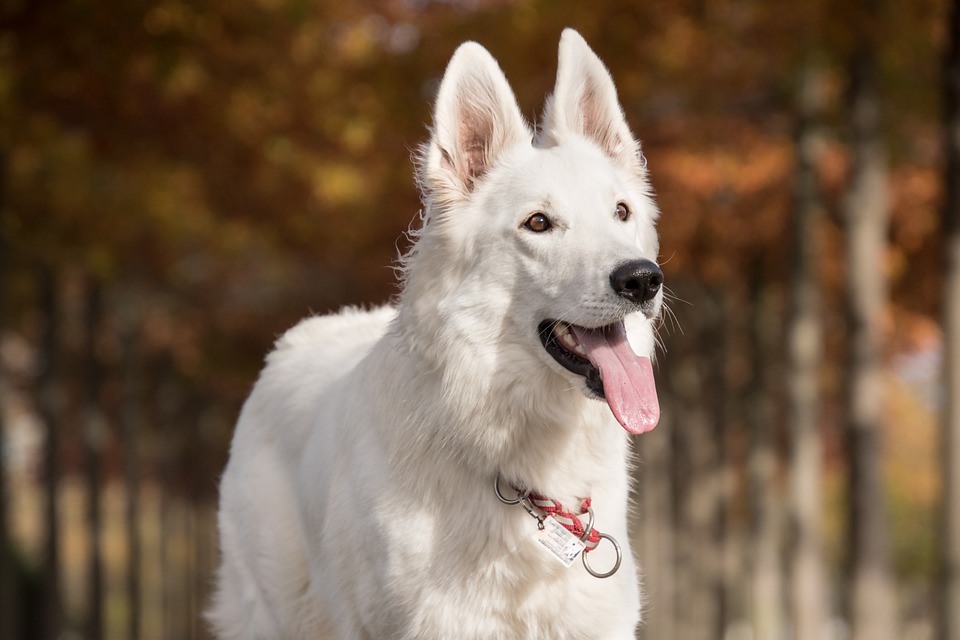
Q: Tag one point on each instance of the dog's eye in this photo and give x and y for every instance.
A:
(623, 212)
(538, 223)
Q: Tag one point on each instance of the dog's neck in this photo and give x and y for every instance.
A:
(562, 448)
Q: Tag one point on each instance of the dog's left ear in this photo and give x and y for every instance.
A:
(585, 103)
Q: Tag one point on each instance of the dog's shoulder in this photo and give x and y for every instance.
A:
(318, 350)
(305, 362)
(349, 328)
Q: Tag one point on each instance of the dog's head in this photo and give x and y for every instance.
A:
(538, 252)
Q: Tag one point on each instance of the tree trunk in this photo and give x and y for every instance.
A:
(950, 533)
(729, 323)
(8, 622)
(872, 593)
(766, 585)
(168, 411)
(48, 407)
(694, 380)
(697, 560)
(131, 429)
(804, 340)
(9, 619)
(94, 435)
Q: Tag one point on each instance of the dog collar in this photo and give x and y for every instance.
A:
(545, 509)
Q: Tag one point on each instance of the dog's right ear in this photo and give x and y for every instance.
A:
(475, 119)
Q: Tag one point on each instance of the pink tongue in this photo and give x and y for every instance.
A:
(627, 378)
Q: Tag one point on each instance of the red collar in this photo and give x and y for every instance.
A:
(541, 507)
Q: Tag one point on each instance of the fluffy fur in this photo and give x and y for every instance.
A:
(358, 500)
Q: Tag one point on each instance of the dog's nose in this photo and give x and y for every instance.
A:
(638, 281)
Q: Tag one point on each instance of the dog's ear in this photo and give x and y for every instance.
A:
(475, 118)
(584, 102)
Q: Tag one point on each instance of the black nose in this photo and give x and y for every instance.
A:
(638, 281)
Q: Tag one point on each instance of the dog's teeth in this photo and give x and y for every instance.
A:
(568, 339)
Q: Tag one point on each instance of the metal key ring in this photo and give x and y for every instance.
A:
(616, 545)
(496, 488)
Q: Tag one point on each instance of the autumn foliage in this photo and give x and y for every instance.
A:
(219, 169)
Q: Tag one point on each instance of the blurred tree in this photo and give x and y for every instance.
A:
(767, 588)
(131, 423)
(949, 585)
(94, 440)
(873, 603)
(805, 359)
(49, 406)
(8, 622)
(699, 481)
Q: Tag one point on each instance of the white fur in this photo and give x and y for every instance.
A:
(358, 501)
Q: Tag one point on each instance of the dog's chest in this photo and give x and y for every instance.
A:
(477, 584)
(507, 606)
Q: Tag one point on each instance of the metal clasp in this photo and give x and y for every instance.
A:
(589, 528)
(521, 499)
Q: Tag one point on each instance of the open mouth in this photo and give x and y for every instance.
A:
(561, 343)
(610, 367)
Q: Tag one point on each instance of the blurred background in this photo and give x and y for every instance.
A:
(182, 180)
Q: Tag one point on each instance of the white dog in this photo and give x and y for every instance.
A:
(385, 468)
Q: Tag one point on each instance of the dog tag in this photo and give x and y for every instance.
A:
(559, 542)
